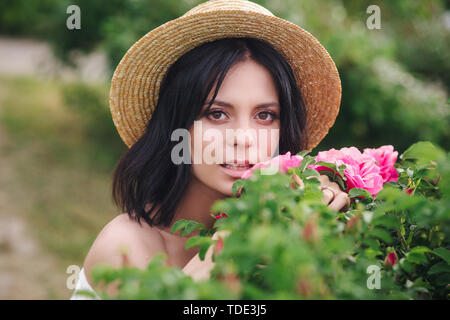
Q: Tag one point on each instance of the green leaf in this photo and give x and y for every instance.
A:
(359, 192)
(203, 249)
(381, 234)
(333, 177)
(329, 165)
(104, 272)
(387, 221)
(306, 162)
(179, 224)
(442, 253)
(86, 293)
(197, 241)
(341, 169)
(440, 267)
(186, 226)
(406, 265)
(423, 151)
(191, 226)
(443, 279)
(417, 255)
(208, 232)
(303, 153)
(372, 243)
(237, 185)
(310, 172)
(421, 173)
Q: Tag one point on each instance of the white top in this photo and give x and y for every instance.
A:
(83, 284)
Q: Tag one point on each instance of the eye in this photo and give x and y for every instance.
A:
(267, 115)
(216, 115)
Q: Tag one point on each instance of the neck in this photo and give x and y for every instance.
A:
(195, 205)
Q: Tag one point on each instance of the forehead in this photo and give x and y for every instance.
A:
(246, 84)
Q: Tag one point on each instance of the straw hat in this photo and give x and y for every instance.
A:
(136, 81)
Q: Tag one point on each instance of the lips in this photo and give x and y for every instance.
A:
(235, 170)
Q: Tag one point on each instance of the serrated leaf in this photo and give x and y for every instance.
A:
(440, 267)
(442, 253)
(372, 243)
(406, 265)
(191, 226)
(303, 153)
(237, 185)
(306, 162)
(333, 177)
(423, 151)
(311, 172)
(417, 255)
(197, 241)
(387, 221)
(203, 249)
(443, 279)
(329, 165)
(179, 224)
(359, 192)
(381, 234)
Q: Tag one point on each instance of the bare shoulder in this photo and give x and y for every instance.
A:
(141, 243)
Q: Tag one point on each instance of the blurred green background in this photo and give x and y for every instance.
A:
(58, 144)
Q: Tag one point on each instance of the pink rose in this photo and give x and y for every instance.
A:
(385, 157)
(361, 170)
(284, 162)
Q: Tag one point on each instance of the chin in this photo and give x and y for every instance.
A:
(224, 186)
(216, 180)
(226, 190)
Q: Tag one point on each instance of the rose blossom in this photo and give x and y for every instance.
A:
(285, 161)
(361, 170)
(385, 156)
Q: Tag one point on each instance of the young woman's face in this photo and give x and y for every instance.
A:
(247, 100)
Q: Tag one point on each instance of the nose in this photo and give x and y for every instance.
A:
(243, 139)
(242, 135)
(240, 141)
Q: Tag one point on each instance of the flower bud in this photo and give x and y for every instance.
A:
(232, 282)
(222, 215)
(304, 287)
(310, 231)
(219, 245)
(298, 183)
(354, 223)
(390, 260)
(125, 259)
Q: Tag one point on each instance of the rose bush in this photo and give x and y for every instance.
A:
(284, 243)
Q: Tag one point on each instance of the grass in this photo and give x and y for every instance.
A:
(63, 174)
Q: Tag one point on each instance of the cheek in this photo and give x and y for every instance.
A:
(212, 177)
(268, 140)
(211, 150)
(207, 144)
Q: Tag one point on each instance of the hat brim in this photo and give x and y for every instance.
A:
(137, 79)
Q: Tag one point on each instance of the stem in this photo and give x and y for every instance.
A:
(416, 185)
(403, 241)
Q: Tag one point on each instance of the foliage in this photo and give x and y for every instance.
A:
(394, 80)
(89, 103)
(286, 244)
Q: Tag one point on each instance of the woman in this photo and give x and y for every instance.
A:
(223, 70)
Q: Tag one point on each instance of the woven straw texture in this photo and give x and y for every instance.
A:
(136, 80)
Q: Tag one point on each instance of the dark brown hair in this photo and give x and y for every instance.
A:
(146, 174)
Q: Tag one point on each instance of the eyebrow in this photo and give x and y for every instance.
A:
(229, 105)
